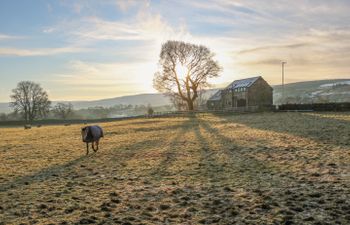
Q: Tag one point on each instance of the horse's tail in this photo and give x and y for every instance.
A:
(101, 132)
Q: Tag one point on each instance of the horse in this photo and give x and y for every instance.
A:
(91, 134)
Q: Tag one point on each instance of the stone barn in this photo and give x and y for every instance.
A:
(250, 93)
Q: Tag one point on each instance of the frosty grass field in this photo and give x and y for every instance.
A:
(268, 168)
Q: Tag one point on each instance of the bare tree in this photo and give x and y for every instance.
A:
(150, 110)
(3, 117)
(185, 69)
(202, 99)
(63, 110)
(29, 99)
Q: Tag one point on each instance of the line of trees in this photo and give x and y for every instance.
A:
(63, 110)
(120, 110)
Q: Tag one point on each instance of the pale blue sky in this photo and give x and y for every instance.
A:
(82, 50)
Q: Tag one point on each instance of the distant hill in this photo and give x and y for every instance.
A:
(337, 90)
(4, 107)
(141, 99)
(156, 99)
(310, 91)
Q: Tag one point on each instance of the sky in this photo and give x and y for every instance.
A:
(87, 50)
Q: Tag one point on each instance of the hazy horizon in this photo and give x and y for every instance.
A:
(219, 86)
(91, 50)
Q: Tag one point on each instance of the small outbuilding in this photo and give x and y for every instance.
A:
(247, 94)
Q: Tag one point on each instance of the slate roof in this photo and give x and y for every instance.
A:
(216, 96)
(242, 83)
(235, 84)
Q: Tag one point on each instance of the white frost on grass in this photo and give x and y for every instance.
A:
(333, 84)
(316, 93)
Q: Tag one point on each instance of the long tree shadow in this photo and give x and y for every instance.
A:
(44, 174)
(286, 189)
(320, 129)
(237, 183)
(210, 168)
(55, 171)
(248, 170)
(172, 151)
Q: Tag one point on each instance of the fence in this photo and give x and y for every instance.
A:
(343, 106)
(199, 112)
(239, 110)
(63, 122)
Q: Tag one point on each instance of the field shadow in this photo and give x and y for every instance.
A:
(144, 122)
(320, 129)
(282, 188)
(209, 166)
(249, 169)
(44, 174)
(55, 171)
(171, 153)
(152, 129)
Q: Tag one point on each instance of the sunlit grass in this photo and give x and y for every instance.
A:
(269, 168)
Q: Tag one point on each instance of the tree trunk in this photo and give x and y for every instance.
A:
(190, 105)
(26, 116)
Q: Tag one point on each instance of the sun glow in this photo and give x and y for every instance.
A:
(181, 71)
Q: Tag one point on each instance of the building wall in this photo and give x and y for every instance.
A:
(240, 98)
(214, 104)
(226, 99)
(260, 94)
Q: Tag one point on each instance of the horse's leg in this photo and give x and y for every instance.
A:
(97, 143)
(93, 146)
(87, 148)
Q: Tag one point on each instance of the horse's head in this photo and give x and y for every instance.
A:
(84, 133)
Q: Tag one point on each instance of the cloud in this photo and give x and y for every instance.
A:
(236, 13)
(125, 5)
(49, 8)
(9, 37)
(280, 18)
(264, 62)
(39, 52)
(144, 28)
(48, 30)
(322, 42)
(75, 6)
(106, 79)
(286, 46)
(138, 39)
(97, 29)
(102, 74)
(248, 37)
